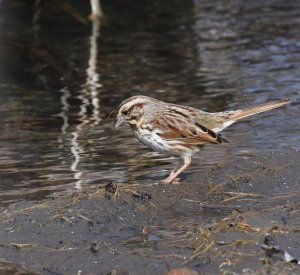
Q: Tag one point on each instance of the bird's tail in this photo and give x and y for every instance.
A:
(237, 115)
(226, 119)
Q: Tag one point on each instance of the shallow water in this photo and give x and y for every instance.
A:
(56, 96)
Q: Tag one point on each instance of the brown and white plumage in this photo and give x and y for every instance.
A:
(178, 130)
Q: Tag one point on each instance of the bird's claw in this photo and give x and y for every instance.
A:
(170, 180)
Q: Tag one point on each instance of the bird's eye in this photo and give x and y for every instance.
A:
(125, 113)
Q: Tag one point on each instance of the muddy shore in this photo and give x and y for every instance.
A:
(222, 219)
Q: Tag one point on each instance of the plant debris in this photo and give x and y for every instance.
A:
(213, 230)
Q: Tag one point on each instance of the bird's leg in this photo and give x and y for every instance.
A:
(172, 178)
(174, 171)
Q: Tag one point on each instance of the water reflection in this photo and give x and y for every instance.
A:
(97, 12)
(54, 107)
(89, 97)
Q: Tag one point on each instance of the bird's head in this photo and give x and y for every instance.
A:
(132, 111)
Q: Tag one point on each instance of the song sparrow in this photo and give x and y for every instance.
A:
(179, 130)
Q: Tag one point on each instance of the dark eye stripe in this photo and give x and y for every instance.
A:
(140, 105)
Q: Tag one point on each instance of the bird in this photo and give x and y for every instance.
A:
(177, 130)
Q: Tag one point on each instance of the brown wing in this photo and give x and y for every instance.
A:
(186, 129)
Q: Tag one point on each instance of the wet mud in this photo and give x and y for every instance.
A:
(227, 220)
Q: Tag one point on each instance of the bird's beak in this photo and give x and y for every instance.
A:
(118, 121)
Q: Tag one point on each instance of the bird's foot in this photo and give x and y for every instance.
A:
(170, 180)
